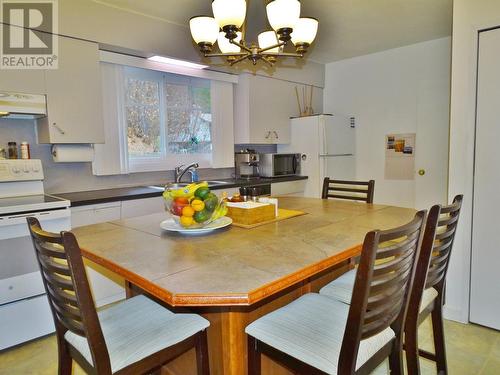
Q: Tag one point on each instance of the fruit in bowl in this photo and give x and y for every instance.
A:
(194, 206)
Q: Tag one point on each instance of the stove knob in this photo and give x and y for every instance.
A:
(15, 170)
(26, 168)
(35, 168)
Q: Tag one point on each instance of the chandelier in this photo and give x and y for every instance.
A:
(225, 29)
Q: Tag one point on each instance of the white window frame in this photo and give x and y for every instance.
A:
(166, 161)
(111, 158)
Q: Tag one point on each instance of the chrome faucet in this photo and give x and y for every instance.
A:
(181, 171)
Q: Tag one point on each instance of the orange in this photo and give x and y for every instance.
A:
(181, 200)
(188, 211)
(186, 221)
(198, 205)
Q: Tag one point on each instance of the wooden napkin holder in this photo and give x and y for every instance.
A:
(249, 213)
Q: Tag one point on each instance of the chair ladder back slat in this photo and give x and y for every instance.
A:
(391, 265)
(384, 298)
(397, 278)
(68, 311)
(377, 315)
(340, 189)
(55, 267)
(398, 248)
(62, 296)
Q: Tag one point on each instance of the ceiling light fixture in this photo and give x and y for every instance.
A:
(226, 29)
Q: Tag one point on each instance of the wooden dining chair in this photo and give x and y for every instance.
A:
(427, 296)
(316, 334)
(428, 290)
(136, 336)
(350, 190)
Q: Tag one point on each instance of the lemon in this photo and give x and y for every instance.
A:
(188, 211)
(197, 205)
(186, 221)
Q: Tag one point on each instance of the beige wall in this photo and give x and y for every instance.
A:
(401, 90)
(469, 16)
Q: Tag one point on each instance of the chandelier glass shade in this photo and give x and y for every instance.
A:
(226, 29)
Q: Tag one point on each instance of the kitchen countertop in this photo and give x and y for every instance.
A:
(82, 198)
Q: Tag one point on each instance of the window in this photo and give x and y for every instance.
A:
(158, 117)
(168, 119)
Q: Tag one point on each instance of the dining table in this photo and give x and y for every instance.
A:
(233, 276)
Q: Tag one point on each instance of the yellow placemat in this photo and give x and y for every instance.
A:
(283, 214)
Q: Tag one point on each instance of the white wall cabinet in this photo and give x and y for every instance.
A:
(295, 188)
(263, 107)
(74, 100)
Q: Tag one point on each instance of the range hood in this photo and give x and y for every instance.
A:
(22, 106)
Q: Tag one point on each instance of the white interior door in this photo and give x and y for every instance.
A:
(485, 279)
(431, 157)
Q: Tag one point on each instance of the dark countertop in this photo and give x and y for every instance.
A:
(83, 198)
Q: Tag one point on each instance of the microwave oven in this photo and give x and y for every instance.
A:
(279, 165)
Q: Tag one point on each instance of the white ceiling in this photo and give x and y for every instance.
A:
(348, 28)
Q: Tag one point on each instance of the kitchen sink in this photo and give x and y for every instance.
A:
(172, 185)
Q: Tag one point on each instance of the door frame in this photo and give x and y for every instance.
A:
(461, 168)
(476, 94)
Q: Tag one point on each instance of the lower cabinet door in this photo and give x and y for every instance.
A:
(141, 207)
(25, 320)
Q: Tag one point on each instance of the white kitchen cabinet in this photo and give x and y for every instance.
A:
(263, 107)
(95, 214)
(74, 100)
(106, 286)
(140, 207)
(295, 188)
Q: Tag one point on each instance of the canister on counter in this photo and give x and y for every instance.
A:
(3, 153)
(12, 150)
(25, 150)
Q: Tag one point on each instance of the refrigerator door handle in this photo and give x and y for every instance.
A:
(333, 155)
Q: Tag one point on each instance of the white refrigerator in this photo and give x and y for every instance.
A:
(327, 144)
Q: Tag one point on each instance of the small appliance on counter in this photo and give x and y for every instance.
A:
(280, 165)
(247, 164)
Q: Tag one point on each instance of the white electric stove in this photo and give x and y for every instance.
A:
(24, 309)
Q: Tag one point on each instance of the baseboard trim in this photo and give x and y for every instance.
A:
(455, 314)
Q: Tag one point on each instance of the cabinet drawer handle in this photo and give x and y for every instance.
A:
(58, 128)
(275, 134)
(268, 134)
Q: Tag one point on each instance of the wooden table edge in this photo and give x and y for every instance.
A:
(227, 299)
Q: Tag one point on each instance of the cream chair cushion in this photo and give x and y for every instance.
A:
(311, 329)
(137, 328)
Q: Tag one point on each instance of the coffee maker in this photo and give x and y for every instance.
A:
(246, 164)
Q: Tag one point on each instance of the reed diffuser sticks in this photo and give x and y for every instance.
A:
(305, 106)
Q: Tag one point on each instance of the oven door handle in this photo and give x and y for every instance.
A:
(45, 215)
